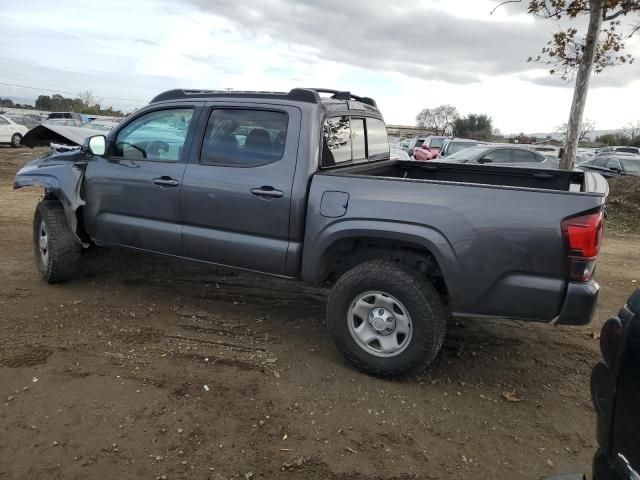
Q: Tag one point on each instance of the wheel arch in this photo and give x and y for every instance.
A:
(66, 192)
(344, 245)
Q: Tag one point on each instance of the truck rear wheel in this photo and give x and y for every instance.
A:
(386, 319)
(55, 248)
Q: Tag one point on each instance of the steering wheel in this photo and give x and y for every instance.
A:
(156, 148)
(135, 147)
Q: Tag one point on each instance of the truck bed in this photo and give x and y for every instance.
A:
(507, 176)
(494, 231)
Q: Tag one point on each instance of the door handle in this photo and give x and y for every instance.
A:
(266, 192)
(166, 182)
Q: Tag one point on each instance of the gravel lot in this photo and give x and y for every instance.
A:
(152, 368)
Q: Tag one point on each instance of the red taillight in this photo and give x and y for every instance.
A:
(582, 235)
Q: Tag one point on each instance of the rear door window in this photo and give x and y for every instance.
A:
(244, 138)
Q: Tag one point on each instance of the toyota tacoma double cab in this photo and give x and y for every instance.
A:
(299, 185)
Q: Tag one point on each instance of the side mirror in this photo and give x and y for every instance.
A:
(614, 168)
(96, 145)
(485, 160)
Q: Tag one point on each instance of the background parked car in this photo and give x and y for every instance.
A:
(20, 119)
(67, 122)
(11, 132)
(613, 165)
(415, 143)
(429, 148)
(620, 149)
(454, 145)
(103, 124)
(69, 115)
(405, 144)
(398, 154)
(500, 155)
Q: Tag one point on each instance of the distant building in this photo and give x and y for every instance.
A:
(404, 131)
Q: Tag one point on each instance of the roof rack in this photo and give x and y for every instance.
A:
(309, 95)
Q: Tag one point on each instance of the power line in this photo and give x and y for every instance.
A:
(68, 93)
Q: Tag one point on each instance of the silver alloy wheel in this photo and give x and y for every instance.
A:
(380, 324)
(43, 242)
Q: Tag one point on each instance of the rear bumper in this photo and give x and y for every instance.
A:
(579, 303)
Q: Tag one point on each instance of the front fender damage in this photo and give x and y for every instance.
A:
(60, 175)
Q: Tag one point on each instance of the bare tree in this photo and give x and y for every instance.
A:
(437, 119)
(572, 55)
(588, 126)
(632, 130)
(88, 99)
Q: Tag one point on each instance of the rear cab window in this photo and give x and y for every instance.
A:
(353, 140)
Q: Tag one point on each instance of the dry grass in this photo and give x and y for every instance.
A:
(623, 206)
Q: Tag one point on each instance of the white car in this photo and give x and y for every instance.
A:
(11, 132)
(398, 154)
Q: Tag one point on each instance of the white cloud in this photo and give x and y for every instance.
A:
(407, 56)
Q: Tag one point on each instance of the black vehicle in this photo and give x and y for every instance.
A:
(69, 115)
(613, 165)
(500, 155)
(615, 391)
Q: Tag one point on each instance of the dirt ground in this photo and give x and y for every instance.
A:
(145, 367)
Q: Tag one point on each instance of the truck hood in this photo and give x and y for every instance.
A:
(44, 134)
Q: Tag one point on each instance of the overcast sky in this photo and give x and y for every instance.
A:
(407, 55)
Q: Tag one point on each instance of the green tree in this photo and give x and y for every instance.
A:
(476, 126)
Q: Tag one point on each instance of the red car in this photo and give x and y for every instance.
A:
(429, 149)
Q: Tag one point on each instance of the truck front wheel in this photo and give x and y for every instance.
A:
(55, 248)
(386, 319)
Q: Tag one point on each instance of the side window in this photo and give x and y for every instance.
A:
(601, 162)
(377, 139)
(358, 141)
(337, 145)
(614, 164)
(502, 155)
(347, 139)
(156, 136)
(244, 138)
(522, 156)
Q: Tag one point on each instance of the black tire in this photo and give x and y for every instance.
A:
(419, 298)
(16, 138)
(59, 262)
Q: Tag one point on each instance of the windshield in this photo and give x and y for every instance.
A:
(455, 147)
(468, 153)
(630, 166)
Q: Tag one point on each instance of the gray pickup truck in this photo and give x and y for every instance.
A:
(299, 185)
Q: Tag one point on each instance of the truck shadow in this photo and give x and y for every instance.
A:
(294, 315)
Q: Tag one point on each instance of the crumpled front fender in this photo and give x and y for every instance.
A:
(60, 177)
